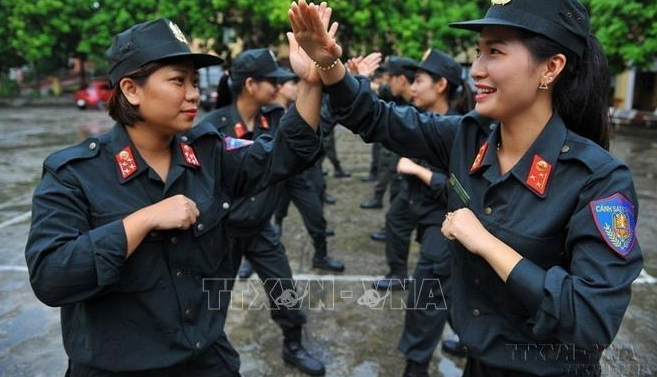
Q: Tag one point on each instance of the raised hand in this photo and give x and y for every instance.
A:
(369, 64)
(309, 26)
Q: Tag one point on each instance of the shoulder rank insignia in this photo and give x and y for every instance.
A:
(480, 157)
(232, 143)
(126, 163)
(264, 123)
(189, 155)
(614, 217)
(539, 175)
(500, 2)
(239, 130)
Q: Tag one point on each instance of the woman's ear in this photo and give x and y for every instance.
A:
(130, 91)
(553, 67)
(249, 85)
(440, 85)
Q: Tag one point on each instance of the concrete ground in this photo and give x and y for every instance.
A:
(352, 331)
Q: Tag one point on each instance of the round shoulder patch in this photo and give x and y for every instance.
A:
(614, 217)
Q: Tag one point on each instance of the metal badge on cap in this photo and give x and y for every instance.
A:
(500, 2)
(177, 32)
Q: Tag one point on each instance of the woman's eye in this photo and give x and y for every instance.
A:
(178, 79)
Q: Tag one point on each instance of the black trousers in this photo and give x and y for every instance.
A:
(330, 149)
(220, 360)
(399, 226)
(266, 254)
(306, 191)
(428, 300)
(387, 174)
(374, 165)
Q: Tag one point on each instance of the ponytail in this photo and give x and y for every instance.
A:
(579, 93)
(224, 95)
(461, 98)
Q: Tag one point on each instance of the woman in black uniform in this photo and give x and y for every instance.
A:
(128, 231)
(437, 88)
(246, 110)
(542, 217)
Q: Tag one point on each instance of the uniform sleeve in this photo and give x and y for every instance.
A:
(268, 160)
(436, 188)
(583, 306)
(402, 129)
(68, 261)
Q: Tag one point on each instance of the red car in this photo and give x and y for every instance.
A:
(95, 94)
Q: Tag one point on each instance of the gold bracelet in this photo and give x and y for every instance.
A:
(335, 62)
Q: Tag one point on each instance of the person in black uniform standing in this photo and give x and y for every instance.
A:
(399, 87)
(246, 110)
(438, 88)
(128, 233)
(542, 218)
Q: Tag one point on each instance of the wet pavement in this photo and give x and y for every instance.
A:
(355, 334)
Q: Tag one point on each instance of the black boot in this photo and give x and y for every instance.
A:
(368, 178)
(294, 354)
(415, 369)
(321, 259)
(393, 282)
(330, 232)
(339, 173)
(245, 270)
(329, 199)
(378, 236)
(453, 347)
(375, 203)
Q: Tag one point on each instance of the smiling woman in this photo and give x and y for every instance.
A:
(541, 274)
(128, 230)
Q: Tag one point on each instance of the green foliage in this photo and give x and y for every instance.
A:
(627, 31)
(46, 33)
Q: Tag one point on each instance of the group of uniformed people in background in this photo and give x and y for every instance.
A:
(526, 222)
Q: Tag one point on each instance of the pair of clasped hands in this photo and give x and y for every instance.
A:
(312, 44)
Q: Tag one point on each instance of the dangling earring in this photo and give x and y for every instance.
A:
(543, 86)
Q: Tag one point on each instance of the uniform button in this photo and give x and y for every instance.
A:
(154, 234)
(476, 281)
(253, 198)
(199, 345)
(565, 149)
(92, 145)
(223, 119)
(188, 312)
(488, 210)
(184, 138)
(476, 312)
(465, 349)
(225, 205)
(200, 227)
(174, 240)
(179, 274)
(410, 202)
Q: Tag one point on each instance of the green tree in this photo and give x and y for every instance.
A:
(627, 31)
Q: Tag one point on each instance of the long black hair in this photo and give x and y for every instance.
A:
(459, 97)
(227, 89)
(579, 93)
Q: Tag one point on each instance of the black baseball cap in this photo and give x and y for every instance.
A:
(259, 62)
(151, 41)
(440, 64)
(397, 65)
(563, 21)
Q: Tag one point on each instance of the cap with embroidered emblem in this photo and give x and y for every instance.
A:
(564, 21)
(259, 62)
(151, 41)
(397, 65)
(441, 64)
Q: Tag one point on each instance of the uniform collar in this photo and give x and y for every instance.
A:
(119, 141)
(546, 148)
